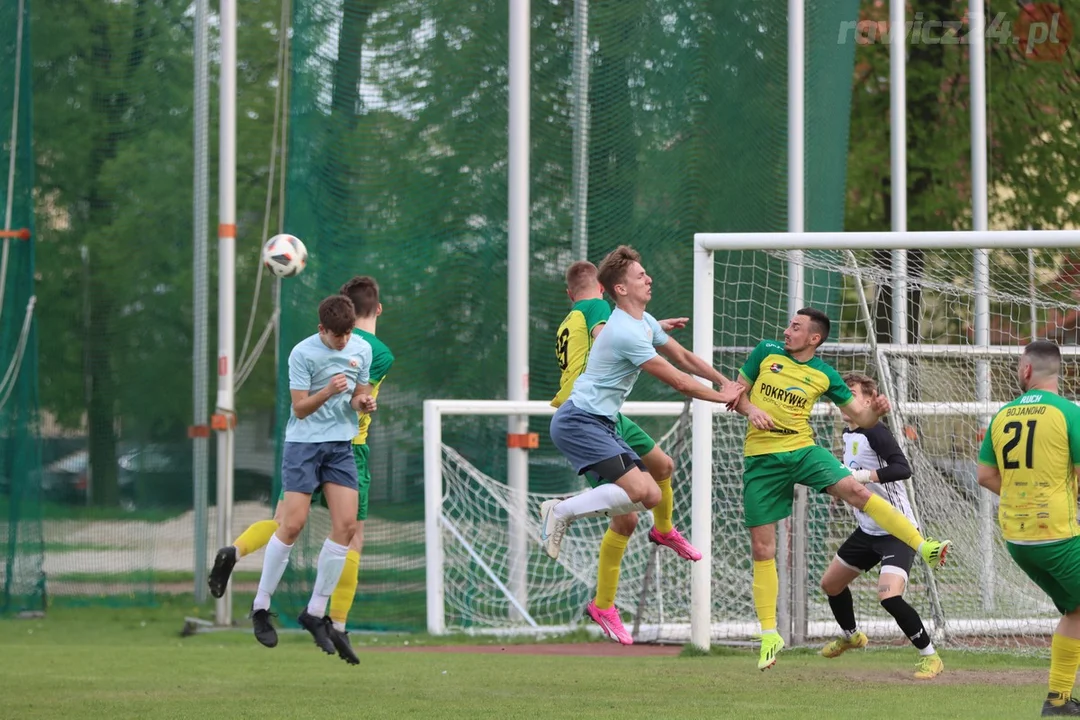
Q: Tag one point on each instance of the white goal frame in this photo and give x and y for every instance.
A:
(434, 522)
(705, 244)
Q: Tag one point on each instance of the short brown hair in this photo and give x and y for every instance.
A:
(363, 290)
(819, 321)
(579, 276)
(337, 314)
(614, 266)
(865, 383)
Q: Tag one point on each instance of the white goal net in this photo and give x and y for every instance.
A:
(946, 374)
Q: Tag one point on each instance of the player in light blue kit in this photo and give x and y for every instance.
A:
(328, 382)
(583, 428)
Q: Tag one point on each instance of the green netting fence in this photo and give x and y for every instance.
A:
(22, 577)
(398, 166)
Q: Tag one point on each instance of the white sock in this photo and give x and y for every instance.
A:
(849, 633)
(339, 626)
(608, 499)
(275, 559)
(928, 650)
(331, 563)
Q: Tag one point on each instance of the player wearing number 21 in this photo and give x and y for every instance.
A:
(1030, 456)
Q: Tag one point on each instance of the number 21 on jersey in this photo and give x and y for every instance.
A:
(1017, 431)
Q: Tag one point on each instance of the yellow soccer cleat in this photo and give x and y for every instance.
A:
(933, 552)
(929, 667)
(839, 646)
(771, 645)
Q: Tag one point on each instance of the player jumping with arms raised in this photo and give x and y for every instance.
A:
(584, 427)
(574, 340)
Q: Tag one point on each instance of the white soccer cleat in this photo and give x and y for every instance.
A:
(552, 529)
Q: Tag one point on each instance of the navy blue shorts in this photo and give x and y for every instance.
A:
(586, 439)
(306, 466)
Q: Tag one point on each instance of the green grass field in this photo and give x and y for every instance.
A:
(133, 663)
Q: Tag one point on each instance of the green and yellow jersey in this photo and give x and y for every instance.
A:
(787, 389)
(574, 340)
(1034, 442)
(381, 360)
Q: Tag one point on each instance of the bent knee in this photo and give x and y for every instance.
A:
(831, 588)
(289, 531)
(662, 467)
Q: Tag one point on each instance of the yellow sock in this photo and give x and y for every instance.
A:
(612, 548)
(255, 537)
(766, 588)
(1064, 659)
(893, 521)
(661, 514)
(341, 601)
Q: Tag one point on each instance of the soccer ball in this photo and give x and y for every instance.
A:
(284, 255)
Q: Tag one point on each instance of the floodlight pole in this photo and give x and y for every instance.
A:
(517, 275)
(225, 414)
(201, 300)
(791, 603)
(980, 217)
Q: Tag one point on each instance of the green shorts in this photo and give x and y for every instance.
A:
(638, 440)
(769, 481)
(363, 475)
(1054, 567)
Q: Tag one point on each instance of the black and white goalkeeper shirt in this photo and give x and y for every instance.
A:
(876, 449)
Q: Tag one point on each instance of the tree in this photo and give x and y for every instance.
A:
(113, 95)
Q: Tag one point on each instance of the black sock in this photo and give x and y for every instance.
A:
(843, 609)
(908, 620)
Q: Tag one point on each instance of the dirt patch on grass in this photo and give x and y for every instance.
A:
(950, 677)
(579, 649)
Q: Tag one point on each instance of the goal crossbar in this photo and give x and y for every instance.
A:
(925, 240)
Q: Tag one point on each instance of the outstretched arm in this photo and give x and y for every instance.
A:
(687, 361)
(664, 371)
(867, 416)
(757, 417)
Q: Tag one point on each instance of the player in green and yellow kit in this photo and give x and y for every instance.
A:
(573, 340)
(363, 291)
(1030, 456)
(784, 380)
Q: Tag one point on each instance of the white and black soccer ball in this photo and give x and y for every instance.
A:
(284, 255)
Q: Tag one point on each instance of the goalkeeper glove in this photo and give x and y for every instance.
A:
(863, 476)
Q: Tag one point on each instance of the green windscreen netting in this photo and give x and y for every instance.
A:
(398, 169)
(22, 579)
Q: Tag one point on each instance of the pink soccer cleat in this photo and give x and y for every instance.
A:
(676, 542)
(610, 622)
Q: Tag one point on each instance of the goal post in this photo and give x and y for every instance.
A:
(489, 565)
(972, 319)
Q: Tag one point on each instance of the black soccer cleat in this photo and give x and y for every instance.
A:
(264, 631)
(318, 629)
(1069, 708)
(340, 638)
(224, 562)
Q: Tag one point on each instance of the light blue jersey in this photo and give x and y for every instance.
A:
(617, 354)
(311, 365)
